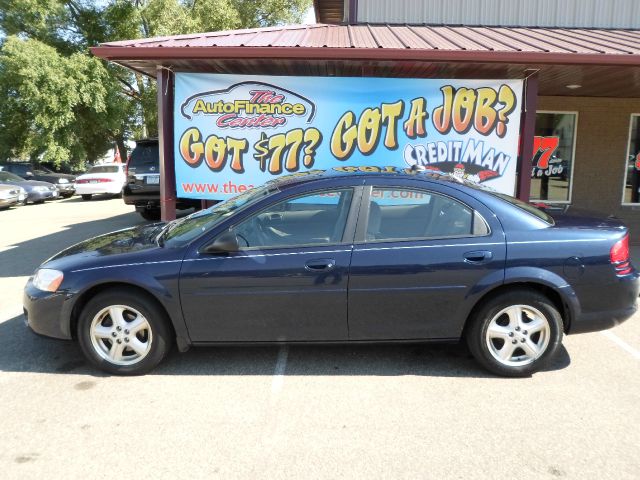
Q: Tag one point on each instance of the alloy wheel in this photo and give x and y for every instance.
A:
(518, 335)
(121, 335)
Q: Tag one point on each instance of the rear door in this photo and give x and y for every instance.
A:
(420, 254)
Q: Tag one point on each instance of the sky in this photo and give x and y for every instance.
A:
(310, 17)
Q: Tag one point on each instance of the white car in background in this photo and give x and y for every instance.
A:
(108, 178)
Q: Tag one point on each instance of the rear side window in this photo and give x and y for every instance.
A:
(145, 158)
(404, 214)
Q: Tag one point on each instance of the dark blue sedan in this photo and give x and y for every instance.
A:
(342, 257)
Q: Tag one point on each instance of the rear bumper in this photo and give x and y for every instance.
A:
(43, 312)
(150, 202)
(96, 188)
(622, 302)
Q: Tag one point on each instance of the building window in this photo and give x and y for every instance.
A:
(553, 154)
(631, 194)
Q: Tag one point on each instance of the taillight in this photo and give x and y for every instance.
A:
(95, 180)
(619, 256)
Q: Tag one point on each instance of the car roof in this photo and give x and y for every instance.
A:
(368, 172)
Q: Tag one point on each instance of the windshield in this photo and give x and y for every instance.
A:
(182, 231)
(103, 169)
(10, 177)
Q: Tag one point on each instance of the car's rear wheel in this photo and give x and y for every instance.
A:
(152, 214)
(87, 196)
(515, 333)
(124, 334)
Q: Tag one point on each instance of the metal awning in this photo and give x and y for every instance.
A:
(603, 62)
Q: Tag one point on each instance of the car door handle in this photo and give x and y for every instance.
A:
(478, 257)
(320, 264)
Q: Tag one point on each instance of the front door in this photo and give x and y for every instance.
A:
(287, 282)
(419, 257)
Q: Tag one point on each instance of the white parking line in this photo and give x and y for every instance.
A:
(281, 367)
(621, 343)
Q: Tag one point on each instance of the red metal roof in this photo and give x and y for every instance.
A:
(410, 37)
(605, 62)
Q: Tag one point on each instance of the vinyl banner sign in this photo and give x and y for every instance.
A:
(233, 132)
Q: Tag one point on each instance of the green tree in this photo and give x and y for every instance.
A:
(58, 102)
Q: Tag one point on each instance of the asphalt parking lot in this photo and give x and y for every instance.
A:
(298, 412)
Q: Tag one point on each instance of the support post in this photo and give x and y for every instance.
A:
(527, 132)
(165, 139)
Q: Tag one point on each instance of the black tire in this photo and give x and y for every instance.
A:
(87, 197)
(151, 214)
(476, 333)
(161, 333)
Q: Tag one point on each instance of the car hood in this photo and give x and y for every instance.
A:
(29, 184)
(96, 249)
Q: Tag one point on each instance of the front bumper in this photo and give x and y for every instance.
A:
(66, 189)
(39, 196)
(7, 202)
(44, 312)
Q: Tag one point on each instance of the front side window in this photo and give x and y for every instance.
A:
(405, 214)
(20, 169)
(553, 149)
(312, 219)
(631, 193)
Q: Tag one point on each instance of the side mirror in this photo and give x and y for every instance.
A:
(29, 174)
(225, 243)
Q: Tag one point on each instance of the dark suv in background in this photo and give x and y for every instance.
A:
(143, 181)
(30, 171)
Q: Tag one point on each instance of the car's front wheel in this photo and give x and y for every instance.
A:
(515, 333)
(124, 333)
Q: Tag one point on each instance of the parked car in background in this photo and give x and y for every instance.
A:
(422, 257)
(142, 188)
(108, 178)
(9, 196)
(30, 171)
(35, 191)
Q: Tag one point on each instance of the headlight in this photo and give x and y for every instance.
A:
(41, 189)
(63, 180)
(47, 280)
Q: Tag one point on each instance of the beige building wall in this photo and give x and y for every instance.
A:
(601, 150)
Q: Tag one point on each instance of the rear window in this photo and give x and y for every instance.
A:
(145, 158)
(104, 169)
(525, 206)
